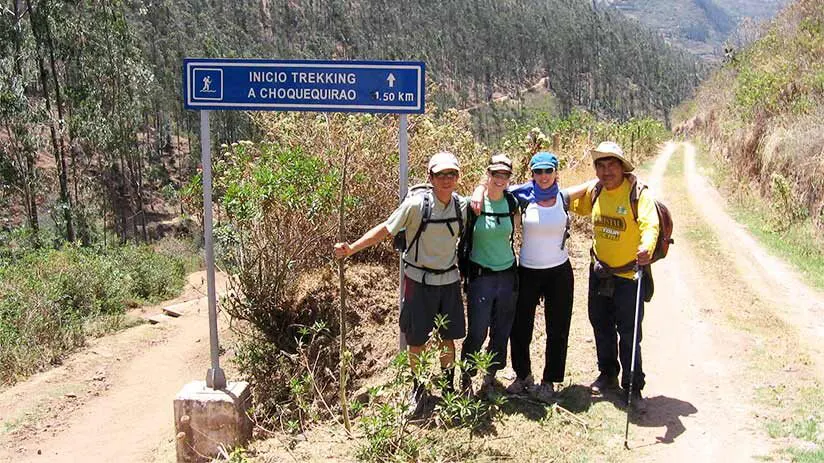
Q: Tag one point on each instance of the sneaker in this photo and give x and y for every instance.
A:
(519, 386)
(638, 403)
(544, 392)
(604, 382)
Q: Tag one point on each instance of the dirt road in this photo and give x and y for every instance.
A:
(113, 400)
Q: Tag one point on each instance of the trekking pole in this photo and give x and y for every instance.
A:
(638, 277)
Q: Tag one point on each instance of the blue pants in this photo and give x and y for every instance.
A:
(491, 310)
(612, 319)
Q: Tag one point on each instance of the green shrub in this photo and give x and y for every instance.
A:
(47, 297)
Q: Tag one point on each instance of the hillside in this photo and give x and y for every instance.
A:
(761, 115)
(701, 26)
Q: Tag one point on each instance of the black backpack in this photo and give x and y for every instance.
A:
(400, 242)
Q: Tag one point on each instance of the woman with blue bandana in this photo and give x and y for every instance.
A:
(544, 271)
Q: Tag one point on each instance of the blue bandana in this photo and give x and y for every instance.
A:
(531, 192)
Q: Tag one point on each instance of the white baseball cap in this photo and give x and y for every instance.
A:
(443, 161)
(500, 163)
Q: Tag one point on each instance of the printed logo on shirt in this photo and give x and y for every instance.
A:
(616, 223)
(609, 228)
(621, 210)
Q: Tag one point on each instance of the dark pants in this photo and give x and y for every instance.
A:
(423, 303)
(555, 285)
(491, 309)
(612, 319)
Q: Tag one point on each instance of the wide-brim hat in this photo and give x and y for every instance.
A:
(443, 161)
(500, 163)
(610, 149)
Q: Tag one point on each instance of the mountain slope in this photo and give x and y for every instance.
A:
(701, 26)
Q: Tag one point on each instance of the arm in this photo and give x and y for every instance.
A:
(578, 191)
(648, 224)
(582, 205)
(477, 199)
(370, 238)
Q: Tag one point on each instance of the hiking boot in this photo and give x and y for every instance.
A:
(490, 381)
(466, 384)
(604, 382)
(519, 386)
(417, 399)
(489, 385)
(543, 392)
(638, 403)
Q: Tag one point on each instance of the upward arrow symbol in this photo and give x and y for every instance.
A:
(391, 80)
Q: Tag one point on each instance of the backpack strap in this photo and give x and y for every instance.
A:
(426, 214)
(565, 203)
(635, 196)
(426, 219)
(458, 215)
(596, 191)
(602, 268)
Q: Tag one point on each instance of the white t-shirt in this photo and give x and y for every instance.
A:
(543, 233)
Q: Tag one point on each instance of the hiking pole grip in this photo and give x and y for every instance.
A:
(639, 275)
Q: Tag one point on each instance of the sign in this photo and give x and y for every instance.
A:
(396, 87)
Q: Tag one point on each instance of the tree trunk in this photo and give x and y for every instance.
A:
(57, 145)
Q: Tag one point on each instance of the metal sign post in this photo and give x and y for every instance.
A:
(403, 139)
(215, 378)
(393, 87)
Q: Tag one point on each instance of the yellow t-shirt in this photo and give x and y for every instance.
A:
(617, 236)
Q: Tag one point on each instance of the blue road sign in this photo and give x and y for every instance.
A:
(396, 87)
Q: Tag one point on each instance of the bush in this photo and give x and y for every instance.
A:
(48, 296)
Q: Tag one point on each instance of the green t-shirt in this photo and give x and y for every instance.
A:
(491, 247)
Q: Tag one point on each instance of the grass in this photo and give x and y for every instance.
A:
(51, 299)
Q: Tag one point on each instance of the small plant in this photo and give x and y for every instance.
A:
(394, 433)
(788, 209)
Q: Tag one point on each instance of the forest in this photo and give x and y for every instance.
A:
(93, 136)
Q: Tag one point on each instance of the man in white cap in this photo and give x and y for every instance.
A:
(431, 277)
(625, 228)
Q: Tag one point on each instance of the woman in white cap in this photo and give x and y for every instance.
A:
(544, 271)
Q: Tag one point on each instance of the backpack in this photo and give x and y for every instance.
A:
(400, 242)
(664, 238)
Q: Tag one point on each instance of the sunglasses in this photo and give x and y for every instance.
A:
(449, 174)
(548, 170)
(501, 175)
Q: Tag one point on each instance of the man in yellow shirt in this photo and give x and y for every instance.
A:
(624, 240)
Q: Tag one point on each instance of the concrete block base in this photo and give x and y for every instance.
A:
(206, 419)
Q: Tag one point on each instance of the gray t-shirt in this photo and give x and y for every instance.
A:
(437, 247)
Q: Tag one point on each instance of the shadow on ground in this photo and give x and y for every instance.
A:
(660, 412)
